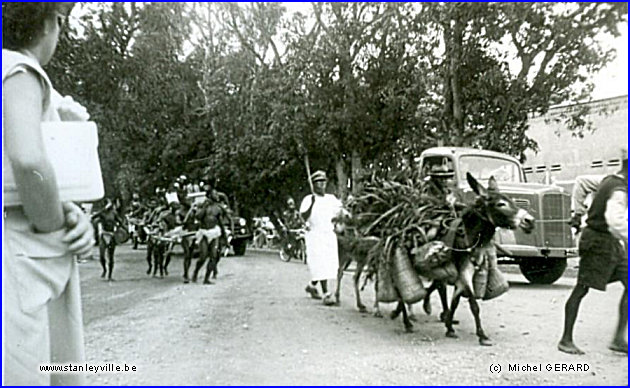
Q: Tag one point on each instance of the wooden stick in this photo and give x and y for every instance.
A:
(308, 172)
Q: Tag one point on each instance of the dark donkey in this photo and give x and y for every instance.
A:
(477, 226)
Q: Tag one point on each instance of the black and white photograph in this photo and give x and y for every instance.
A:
(315, 194)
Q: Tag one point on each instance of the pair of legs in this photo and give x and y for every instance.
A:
(208, 250)
(106, 250)
(312, 289)
(426, 304)
(150, 246)
(571, 308)
(188, 244)
(323, 284)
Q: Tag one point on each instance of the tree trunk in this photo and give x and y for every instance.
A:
(447, 112)
(342, 178)
(357, 172)
(456, 89)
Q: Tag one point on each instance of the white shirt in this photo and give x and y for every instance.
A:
(616, 214)
(585, 185)
(326, 208)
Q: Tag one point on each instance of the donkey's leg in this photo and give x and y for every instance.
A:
(396, 312)
(450, 332)
(426, 304)
(339, 277)
(412, 316)
(484, 340)
(357, 291)
(377, 309)
(441, 287)
(406, 321)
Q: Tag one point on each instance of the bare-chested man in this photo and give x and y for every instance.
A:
(210, 215)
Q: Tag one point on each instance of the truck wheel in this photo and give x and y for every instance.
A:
(239, 247)
(543, 271)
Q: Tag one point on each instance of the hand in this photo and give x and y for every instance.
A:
(70, 110)
(80, 234)
(576, 221)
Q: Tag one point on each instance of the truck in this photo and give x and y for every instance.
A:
(542, 255)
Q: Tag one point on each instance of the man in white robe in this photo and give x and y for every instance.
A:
(318, 210)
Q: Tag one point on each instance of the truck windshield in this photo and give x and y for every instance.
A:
(483, 167)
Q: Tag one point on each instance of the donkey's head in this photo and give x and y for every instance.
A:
(499, 209)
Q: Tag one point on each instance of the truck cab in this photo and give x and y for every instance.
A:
(541, 255)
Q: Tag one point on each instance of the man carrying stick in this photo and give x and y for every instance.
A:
(318, 210)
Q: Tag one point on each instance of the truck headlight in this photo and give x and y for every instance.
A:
(242, 222)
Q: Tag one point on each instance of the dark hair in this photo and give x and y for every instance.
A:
(23, 23)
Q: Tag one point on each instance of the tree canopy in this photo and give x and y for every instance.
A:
(245, 93)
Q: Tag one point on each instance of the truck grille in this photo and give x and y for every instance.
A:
(556, 211)
(556, 206)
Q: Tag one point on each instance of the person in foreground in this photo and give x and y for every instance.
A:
(603, 253)
(41, 301)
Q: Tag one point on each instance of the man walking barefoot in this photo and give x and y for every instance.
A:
(603, 256)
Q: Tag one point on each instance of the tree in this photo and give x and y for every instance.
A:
(556, 47)
(128, 69)
(244, 92)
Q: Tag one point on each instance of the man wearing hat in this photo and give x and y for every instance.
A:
(318, 210)
(603, 251)
(437, 185)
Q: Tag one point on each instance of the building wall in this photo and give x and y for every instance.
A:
(562, 157)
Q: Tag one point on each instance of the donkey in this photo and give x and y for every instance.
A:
(478, 223)
(353, 250)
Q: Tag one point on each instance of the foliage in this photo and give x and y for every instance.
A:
(246, 93)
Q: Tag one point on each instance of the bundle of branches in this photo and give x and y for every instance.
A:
(399, 214)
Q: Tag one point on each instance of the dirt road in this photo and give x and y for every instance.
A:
(256, 326)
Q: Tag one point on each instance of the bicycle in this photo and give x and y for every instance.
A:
(293, 245)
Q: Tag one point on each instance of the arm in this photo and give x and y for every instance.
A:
(617, 215)
(306, 214)
(189, 213)
(220, 217)
(584, 185)
(119, 219)
(34, 176)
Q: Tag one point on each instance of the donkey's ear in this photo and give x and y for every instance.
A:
(477, 188)
(492, 185)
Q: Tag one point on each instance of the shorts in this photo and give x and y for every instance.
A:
(603, 260)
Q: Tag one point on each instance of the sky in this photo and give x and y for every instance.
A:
(613, 80)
